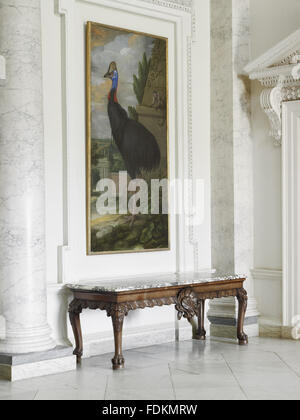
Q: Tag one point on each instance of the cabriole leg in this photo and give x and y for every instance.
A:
(201, 333)
(74, 314)
(118, 360)
(243, 301)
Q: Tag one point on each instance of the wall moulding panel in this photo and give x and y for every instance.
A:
(270, 310)
(174, 20)
(291, 209)
(261, 274)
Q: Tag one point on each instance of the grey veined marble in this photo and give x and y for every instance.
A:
(22, 190)
(150, 281)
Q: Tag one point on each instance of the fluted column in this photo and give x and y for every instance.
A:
(22, 205)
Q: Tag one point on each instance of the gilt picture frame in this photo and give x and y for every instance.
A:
(127, 139)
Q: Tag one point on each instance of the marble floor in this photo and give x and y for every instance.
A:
(266, 369)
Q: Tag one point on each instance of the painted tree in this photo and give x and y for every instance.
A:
(139, 82)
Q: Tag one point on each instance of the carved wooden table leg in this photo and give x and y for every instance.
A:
(243, 300)
(117, 317)
(75, 310)
(201, 333)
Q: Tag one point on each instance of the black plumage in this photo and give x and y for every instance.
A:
(137, 145)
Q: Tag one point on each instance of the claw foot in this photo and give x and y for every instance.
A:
(243, 339)
(200, 335)
(118, 362)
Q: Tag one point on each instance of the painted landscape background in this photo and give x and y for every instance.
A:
(142, 92)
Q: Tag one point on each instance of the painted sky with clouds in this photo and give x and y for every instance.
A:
(127, 50)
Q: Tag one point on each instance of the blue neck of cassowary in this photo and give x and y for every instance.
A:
(115, 80)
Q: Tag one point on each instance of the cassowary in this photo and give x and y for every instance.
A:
(138, 147)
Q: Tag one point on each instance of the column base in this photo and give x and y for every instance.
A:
(15, 367)
(229, 332)
(223, 316)
(27, 340)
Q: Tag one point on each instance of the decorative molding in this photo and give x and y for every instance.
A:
(63, 8)
(270, 328)
(77, 305)
(273, 76)
(291, 207)
(274, 329)
(279, 55)
(192, 231)
(188, 301)
(278, 70)
(296, 72)
(182, 5)
(185, 5)
(270, 101)
(296, 69)
(261, 274)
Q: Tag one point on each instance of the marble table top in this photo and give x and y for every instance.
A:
(151, 281)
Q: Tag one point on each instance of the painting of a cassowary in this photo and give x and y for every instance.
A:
(137, 145)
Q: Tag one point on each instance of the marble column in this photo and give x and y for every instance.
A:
(23, 303)
(231, 159)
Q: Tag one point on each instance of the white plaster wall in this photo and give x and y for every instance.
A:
(96, 322)
(271, 22)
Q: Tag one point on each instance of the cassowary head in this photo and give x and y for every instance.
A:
(111, 69)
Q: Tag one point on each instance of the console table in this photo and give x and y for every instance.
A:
(187, 291)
